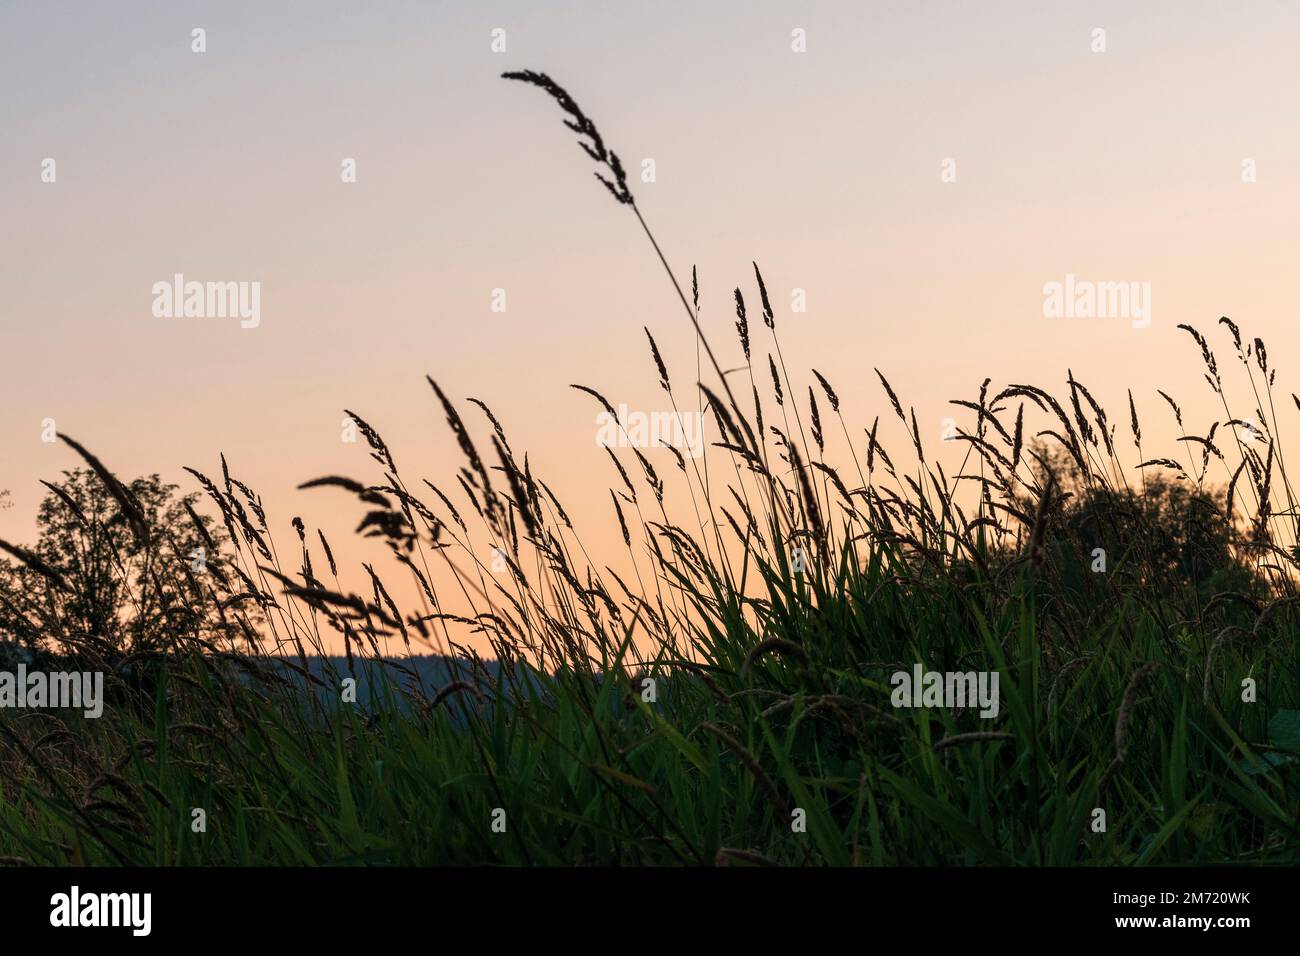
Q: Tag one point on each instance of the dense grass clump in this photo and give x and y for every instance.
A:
(722, 692)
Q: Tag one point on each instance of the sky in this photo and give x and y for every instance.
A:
(920, 171)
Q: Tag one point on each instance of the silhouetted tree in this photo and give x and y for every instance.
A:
(93, 583)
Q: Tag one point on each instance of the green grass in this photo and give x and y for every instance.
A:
(588, 772)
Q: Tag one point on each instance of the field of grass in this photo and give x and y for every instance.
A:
(730, 702)
(588, 772)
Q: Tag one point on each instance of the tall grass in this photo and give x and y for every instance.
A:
(733, 682)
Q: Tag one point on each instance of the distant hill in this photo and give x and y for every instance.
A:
(431, 672)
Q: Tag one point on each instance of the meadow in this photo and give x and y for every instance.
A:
(734, 706)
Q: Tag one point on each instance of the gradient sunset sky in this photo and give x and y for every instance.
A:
(824, 166)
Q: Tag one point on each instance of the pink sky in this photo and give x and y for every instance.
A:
(823, 166)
